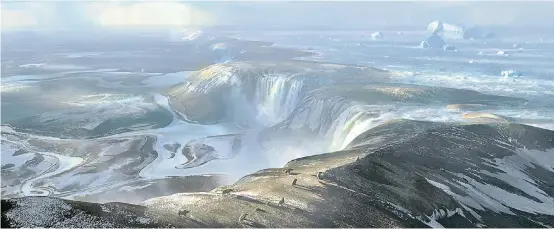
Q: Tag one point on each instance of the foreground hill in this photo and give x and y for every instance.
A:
(400, 174)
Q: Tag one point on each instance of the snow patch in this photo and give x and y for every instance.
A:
(480, 196)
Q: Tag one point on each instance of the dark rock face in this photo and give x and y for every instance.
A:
(400, 174)
(475, 172)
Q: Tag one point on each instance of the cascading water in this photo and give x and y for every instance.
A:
(315, 114)
(333, 121)
(276, 98)
(254, 94)
(321, 125)
(265, 101)
(312, 114)
(352, 122)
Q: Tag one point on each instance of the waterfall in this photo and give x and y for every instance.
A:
(334, 121)
(265, 94)
(276, 98)
(352, 122)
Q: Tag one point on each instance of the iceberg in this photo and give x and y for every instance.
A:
(435, 27)
(445, 29)
(502, 53)
(449, 48)
(377, 36)
(450, 30)
(433, 41)
(511, 73)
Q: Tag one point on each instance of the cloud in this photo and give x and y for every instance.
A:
(14, 19)
(149, 14)
(336, 14)
(118, 13)
(16, 15)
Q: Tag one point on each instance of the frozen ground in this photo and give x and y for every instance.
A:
(93, 96)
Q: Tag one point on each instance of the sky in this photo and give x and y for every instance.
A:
(64, 14)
